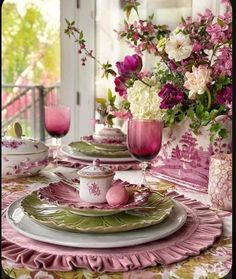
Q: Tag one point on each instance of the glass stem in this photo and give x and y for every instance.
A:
(57, 143)
(144, 166)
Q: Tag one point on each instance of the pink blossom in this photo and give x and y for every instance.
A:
(217, 32)
(197, 46)
(122, 114)
(207, 16)
(120, 86)
(226, 17)
(151, 48)
(144, 73)
(223, 62)
(136, 36)
(226, 3)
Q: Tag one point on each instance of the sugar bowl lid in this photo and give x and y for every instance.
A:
(95, 171)
(11, 145)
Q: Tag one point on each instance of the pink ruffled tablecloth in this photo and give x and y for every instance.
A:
(32, 259)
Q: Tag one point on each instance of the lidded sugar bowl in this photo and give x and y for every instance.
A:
(95, 181)
(22, 156)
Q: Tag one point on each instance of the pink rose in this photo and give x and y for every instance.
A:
(197, 81)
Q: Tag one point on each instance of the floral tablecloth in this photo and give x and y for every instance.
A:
(213, 263)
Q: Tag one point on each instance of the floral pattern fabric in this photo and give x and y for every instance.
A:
(213, 263)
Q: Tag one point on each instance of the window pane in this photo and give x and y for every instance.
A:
(30, 57)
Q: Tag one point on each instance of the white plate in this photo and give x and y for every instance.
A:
(67, 150)
(26, 226)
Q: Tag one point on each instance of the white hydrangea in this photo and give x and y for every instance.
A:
(144, 100)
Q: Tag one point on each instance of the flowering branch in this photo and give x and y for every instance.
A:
(78, 35)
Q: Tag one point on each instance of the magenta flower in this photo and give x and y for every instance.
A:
(131, 66)
(225, 96)
(120, 86)
(171, 96)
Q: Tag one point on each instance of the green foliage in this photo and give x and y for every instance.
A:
(164, 75)
(107, 70)
(221, 82)
(176, 114)
(129, 6)
(106, 106)
(26, 40)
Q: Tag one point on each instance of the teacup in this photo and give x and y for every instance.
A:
(95, 181)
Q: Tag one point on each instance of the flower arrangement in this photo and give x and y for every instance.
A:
(191, 77)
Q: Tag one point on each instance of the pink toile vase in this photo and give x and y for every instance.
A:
(184, 157)
(220, 181)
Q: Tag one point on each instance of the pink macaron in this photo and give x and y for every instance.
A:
(117, 195)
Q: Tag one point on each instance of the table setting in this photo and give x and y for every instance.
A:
(151, 198)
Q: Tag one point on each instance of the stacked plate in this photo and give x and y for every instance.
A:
(55, 214)
(108, 149)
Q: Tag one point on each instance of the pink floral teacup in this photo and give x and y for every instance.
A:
(220, 181)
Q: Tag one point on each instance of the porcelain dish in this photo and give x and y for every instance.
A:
(67, 196)
(23, 157)
(95, 181)
(109, 135)
(90, 150)
(158, 208)
(26, 226)
(111, 159)
(105, 145)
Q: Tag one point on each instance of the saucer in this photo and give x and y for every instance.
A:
(67, 196)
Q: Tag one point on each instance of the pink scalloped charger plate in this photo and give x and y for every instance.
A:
(67, 196)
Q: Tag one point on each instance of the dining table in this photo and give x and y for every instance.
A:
(212, 262)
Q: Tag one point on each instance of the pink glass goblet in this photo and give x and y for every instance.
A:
(57, 123)
(144, 139)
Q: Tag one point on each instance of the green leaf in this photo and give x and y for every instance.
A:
(100, 100)
(223, 133)
(215, 127)
(67, 21)
(213, 114)
(109, 94)
(220, 22)
(128, 11)
(199, 109)
(190, 113)
(81, 35)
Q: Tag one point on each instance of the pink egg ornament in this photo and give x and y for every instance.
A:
(117, 195)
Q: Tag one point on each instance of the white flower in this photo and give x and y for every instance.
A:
(178, 47)
(144, 100)
(197, 81)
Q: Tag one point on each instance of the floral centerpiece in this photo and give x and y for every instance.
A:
(191, 76)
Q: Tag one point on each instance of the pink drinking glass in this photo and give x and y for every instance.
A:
(144, 141)
(57, 122)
